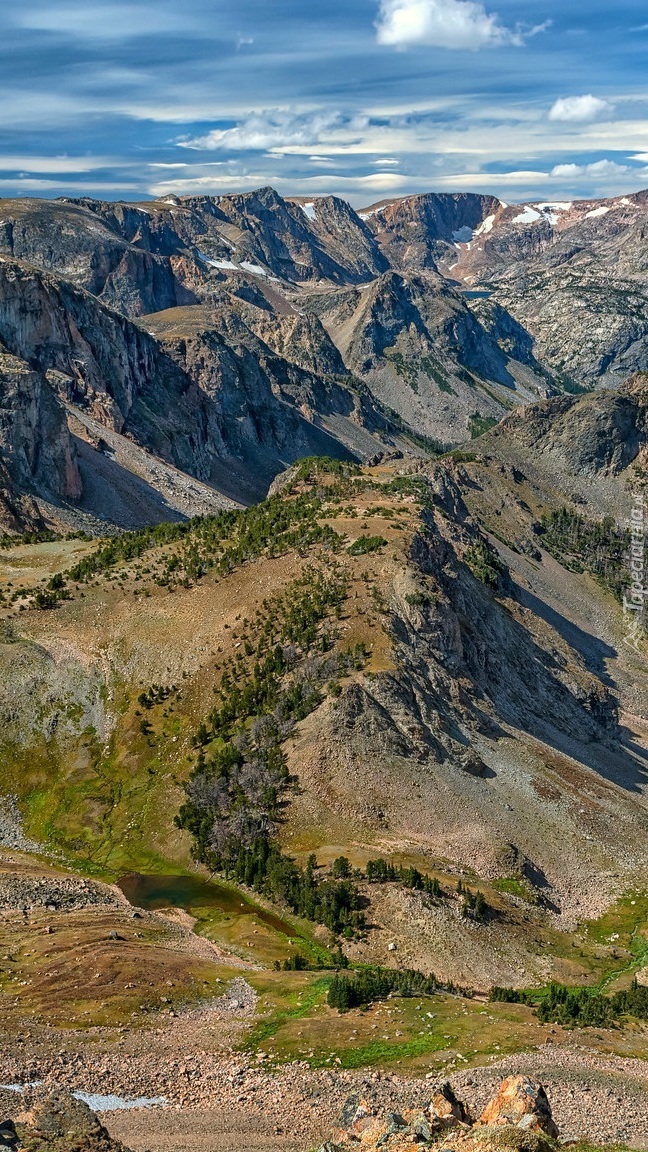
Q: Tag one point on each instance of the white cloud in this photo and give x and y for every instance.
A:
(277, 129)
(57, 165)
(460, 24)
(600, 168)
(579, 109)
(109, 21)
(345, 185)
(20, 184)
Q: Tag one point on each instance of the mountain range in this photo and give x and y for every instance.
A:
(168, 357)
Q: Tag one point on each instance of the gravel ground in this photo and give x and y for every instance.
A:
(603, 1098)
(220, 1099)
(54, 893)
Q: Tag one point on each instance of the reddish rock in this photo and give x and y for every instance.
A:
(445, 1109)
(521, 1102)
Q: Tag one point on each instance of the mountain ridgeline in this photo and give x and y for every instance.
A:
(173, 356)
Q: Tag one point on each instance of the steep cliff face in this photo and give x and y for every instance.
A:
(421, 308)
(101, 360)
(587, 329)
(197, 388)
(258, 412)
(74, 242)
(263, 229)
(320, 329)
(579, 234)
(35, 445)
(300, 337)
(345, 236)
(413, 232)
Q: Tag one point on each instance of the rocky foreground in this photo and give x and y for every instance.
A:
(60, 1122)
(518, 1118)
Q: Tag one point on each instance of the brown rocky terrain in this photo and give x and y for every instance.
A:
(271, 328)
(250, 379)
(498, 730)
(572, 274)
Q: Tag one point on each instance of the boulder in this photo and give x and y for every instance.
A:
(523, 1103)
(8, 1135)
(444, 1109)
(59, 1123)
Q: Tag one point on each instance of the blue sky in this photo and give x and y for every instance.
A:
(362, 98)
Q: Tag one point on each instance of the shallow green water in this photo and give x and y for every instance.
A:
(196, 896)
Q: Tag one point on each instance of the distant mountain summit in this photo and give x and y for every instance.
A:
(223, 337)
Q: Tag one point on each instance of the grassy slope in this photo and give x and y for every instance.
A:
(104, 794)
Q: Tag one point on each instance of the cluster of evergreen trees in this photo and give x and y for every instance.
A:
(224, 540)
(236, 794)
(43, 536)
(156, 694)
(367, 985)
(130, 545)
(579, 1007)
(599, 547)
(366, 544)
(335, 903)
(484, 563)
(383, 871)
(473, 903)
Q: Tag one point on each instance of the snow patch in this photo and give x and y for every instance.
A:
(114, 1103)
(255, 269)
(597, 212)
(550, 208)
(309, 210)
(218, 263)
(374, 212)
(527, 216)
(556, 205)
(97, 1102)
(628, 203)
(485, 226)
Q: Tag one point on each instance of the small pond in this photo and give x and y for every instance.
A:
(196, 896)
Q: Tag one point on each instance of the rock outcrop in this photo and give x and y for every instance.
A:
(522, 1103)
(414, 231)
(60, 1123)
(518, 1117)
